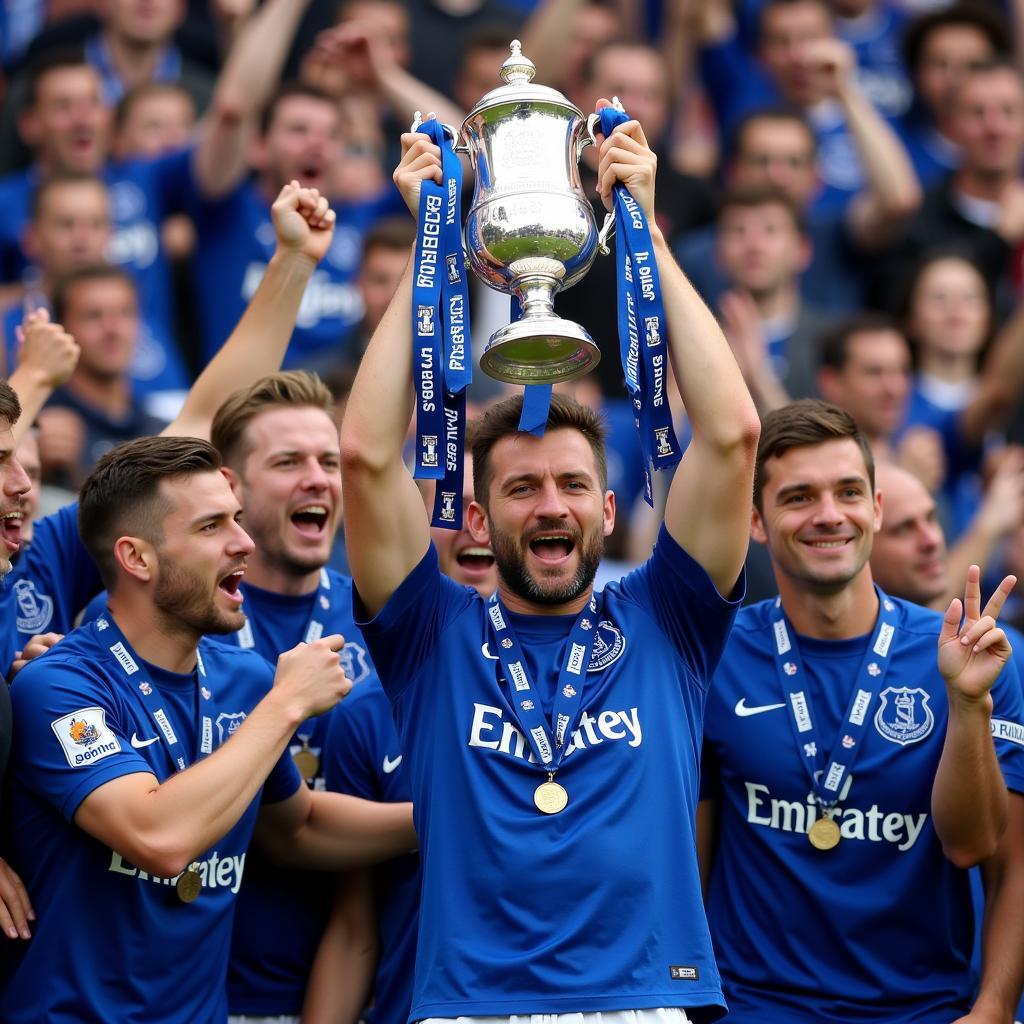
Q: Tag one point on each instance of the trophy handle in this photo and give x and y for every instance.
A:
(452, 133)
(605, 234)
(587, 136)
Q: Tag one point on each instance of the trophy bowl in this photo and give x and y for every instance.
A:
(530, 231)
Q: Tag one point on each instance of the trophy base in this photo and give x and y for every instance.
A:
(540, 350)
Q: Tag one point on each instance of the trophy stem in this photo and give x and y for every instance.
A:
(540, 347)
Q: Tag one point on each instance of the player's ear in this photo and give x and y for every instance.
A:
(136, 557)
(232, 478)
(476, 523)
(757, 532)
(609, 513)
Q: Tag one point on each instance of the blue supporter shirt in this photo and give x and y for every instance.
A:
(143, 193)
(112, 942)
(236, 241)
(281, 915)
(364, 758)
(879, 928)
(598, 907)
(53, 579)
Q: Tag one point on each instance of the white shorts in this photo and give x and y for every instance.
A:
(661, 1015)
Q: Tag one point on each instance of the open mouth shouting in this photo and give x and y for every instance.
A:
(229, 585)
(10, 526)
(311, 520)
(553, 548)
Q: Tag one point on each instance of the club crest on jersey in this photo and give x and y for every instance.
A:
(354, 662)
(609, 646)
(904, 716)
(227, 724)
(34, 610)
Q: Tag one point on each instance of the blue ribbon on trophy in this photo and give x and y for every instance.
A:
(443, 367)
(641, 322)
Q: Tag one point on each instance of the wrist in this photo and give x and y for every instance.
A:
(966, 706)
(293, 260)
(283, 709)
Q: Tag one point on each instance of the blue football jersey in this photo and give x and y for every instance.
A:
(127, 946)
(363, 757)
(281, 915)
(236, 241)
(879, 928)
(142, 194)
(598, 907)
(53, 579)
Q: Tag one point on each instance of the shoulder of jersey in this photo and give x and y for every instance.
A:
(753, 617)
(221, 649)
(78, 650)
(915, 618)
(369, 691)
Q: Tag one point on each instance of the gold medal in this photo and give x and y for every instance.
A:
(307, 763)
(189, 884)
(824, 834)
(550, 797)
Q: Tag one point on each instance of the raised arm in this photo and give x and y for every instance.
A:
(47, 360)
(386, 525)
(1001, 383)
(250, 74)
(708, 507)
(969, 799)
(304, 226)
(892, 192)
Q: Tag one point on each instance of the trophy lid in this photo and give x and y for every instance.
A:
(517, 73)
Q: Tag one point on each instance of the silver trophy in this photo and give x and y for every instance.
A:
(530, 230)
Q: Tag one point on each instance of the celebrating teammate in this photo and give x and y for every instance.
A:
(142, 751)
(851, 771)
(545, 893)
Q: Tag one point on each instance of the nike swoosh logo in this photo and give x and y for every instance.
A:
(389, 766)
(744, 712)
(139, 744)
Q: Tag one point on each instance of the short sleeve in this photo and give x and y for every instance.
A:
(677, 592)
(282, 782)
(405, 631)
(1008, 720)
(350, 751)
(71, 735)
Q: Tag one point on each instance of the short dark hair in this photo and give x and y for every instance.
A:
(122, 494)
(59, 179)
(293, 389)
(996, 66)
(835, 342)
(777, 113)
(967, 13)
(96, 272)
(143, 91)
(10, 407)
(286, 91)
(46, 62)
(748, 196)
(502, 420)
(772, 5)
(390, 233)
(806, 422)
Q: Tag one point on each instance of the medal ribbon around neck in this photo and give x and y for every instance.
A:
(548, 745)
(443, 361)
(314, 627)
(641, 311)
(850, 736)
(120, 652)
